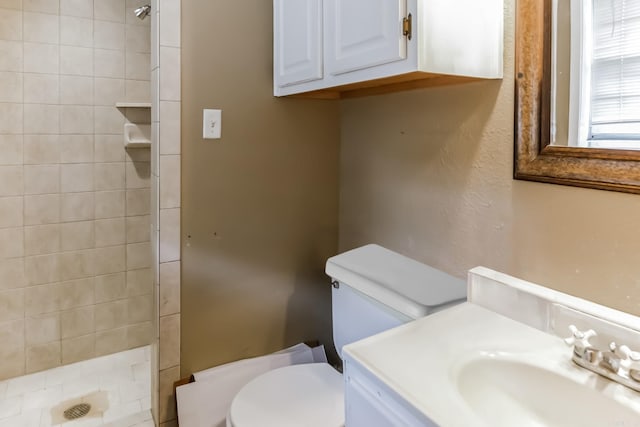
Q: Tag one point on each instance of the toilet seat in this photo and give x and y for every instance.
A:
(310, 395)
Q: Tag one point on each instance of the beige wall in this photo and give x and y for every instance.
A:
(74, 204)
(429, 173)
(260, 205)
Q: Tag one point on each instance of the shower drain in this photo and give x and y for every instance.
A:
(77, 411)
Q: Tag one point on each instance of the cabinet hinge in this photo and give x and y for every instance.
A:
(407, 26)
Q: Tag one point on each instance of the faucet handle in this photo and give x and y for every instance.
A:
(578, 338)
(626, 354)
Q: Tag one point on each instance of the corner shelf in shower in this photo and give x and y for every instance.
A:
(133, 105)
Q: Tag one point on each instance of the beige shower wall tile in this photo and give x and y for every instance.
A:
(170, 181)
(77, 206)
(42, 329)
(12, 305)
(40, 57)
(169, 288)
(76, 120)
(40, 270)
(76, 177)
(109, 10)
(170, 23)
(108, 91)
(109, 176)
(138, 202)
(109, 148)
(110, 232)
(138, 90)
(77, 322)
(76, 293)
(11, 118)
(11, 86)
(111, 315)
(78, 349)
(41, 209)
(111, 341)
(138, 229)
(44, 356)
(169, 74)
(11, 242)
(10, 24)
(167, 409)
(76, 264)
(12, 273)
(11, 180)
(42, 239)
(169, 235)
(41, 88)
(109, 204)
(110, 287)
(139, 309)
(76, 31)
(169, 341)
(11, 212)
(108, 35)
(139, 335)
(41, 149)
(42, 299)
(11, 147)
(81, 8)
(109, 63)
(41, 119)
(138, 255)
(138, 39)
(111, 259)
(41, 179)
(137, 66)
(12, 349)
(77, 235)
(139, 282)
(138, 175)
(10, 55)
(76, 90)
(76, 148)
(76, 61)
(40, 27)
(44, 6)
(169, 127)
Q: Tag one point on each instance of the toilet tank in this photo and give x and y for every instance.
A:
(376, 289)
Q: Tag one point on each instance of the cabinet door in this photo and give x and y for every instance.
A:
(363, 33)
(297, 36)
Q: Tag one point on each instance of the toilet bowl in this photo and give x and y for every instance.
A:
(310, 395)
(374, 289)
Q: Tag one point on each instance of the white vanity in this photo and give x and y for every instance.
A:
(498, 360)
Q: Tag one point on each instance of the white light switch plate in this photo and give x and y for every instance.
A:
(211, 124)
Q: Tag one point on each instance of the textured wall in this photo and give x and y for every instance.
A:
(74, 204)
(259, 208)
(429, 173)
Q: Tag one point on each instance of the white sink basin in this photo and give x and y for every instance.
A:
(508, 393)
(468, 366)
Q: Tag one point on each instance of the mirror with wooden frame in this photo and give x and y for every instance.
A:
(537, 156)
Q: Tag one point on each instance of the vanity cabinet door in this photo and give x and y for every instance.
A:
(360, 34)
(297, 41)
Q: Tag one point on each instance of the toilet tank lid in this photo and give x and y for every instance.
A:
(406, 285)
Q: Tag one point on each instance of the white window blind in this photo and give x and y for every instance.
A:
(615, 71)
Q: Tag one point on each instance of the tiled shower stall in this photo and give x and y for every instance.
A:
(85, 223)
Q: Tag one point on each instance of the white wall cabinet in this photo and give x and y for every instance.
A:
(343, 48)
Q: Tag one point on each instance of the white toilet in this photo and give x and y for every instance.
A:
(374, 289)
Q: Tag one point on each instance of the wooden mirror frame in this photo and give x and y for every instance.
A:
(534, 158)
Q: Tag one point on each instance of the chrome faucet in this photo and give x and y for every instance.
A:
(618, 363)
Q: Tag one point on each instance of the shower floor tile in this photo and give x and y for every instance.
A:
(123, 378)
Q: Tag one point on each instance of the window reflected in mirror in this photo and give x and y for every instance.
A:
(595, 87)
